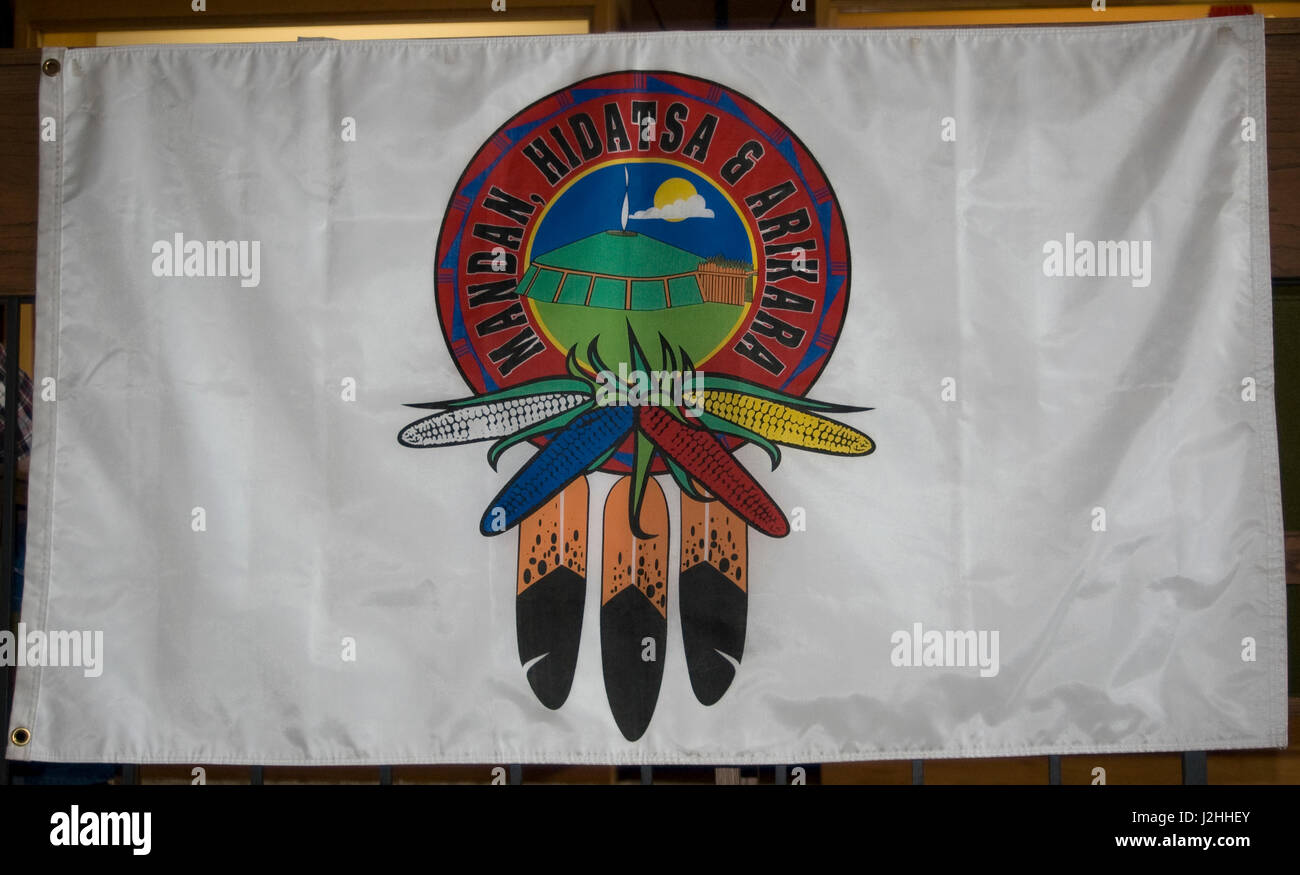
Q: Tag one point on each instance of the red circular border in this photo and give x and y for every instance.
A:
(502, 151)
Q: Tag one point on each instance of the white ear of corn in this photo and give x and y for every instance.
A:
(481, 422)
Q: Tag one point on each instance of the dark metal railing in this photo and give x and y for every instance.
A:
(12, 316)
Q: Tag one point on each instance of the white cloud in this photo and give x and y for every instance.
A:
(690, 208)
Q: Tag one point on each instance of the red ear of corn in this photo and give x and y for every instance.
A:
(701, 455)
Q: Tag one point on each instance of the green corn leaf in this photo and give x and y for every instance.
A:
(721, 383)
(666, 351)
(643, 455)
(542, 386)
(593, 356)
(572, 366)
(726, 426)
(604, 458)
(683, 480)
(639, 362)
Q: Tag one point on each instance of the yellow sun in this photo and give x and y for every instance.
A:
(672, 191)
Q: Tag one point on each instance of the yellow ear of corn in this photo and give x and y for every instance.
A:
(783, 424)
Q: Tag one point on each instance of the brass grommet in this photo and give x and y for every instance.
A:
(50, 67)
(20, 736)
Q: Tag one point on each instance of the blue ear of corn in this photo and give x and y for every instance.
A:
(481, 422)
(566, 456)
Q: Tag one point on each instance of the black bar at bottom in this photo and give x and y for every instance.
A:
(1053, 770)
(1033, 821)
(647, 774)
(918, 772)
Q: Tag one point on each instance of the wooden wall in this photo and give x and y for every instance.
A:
(1282, 84)
(19, 80)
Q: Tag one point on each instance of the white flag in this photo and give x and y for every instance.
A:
(996, 300)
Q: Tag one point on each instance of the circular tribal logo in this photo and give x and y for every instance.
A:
(637, 275)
